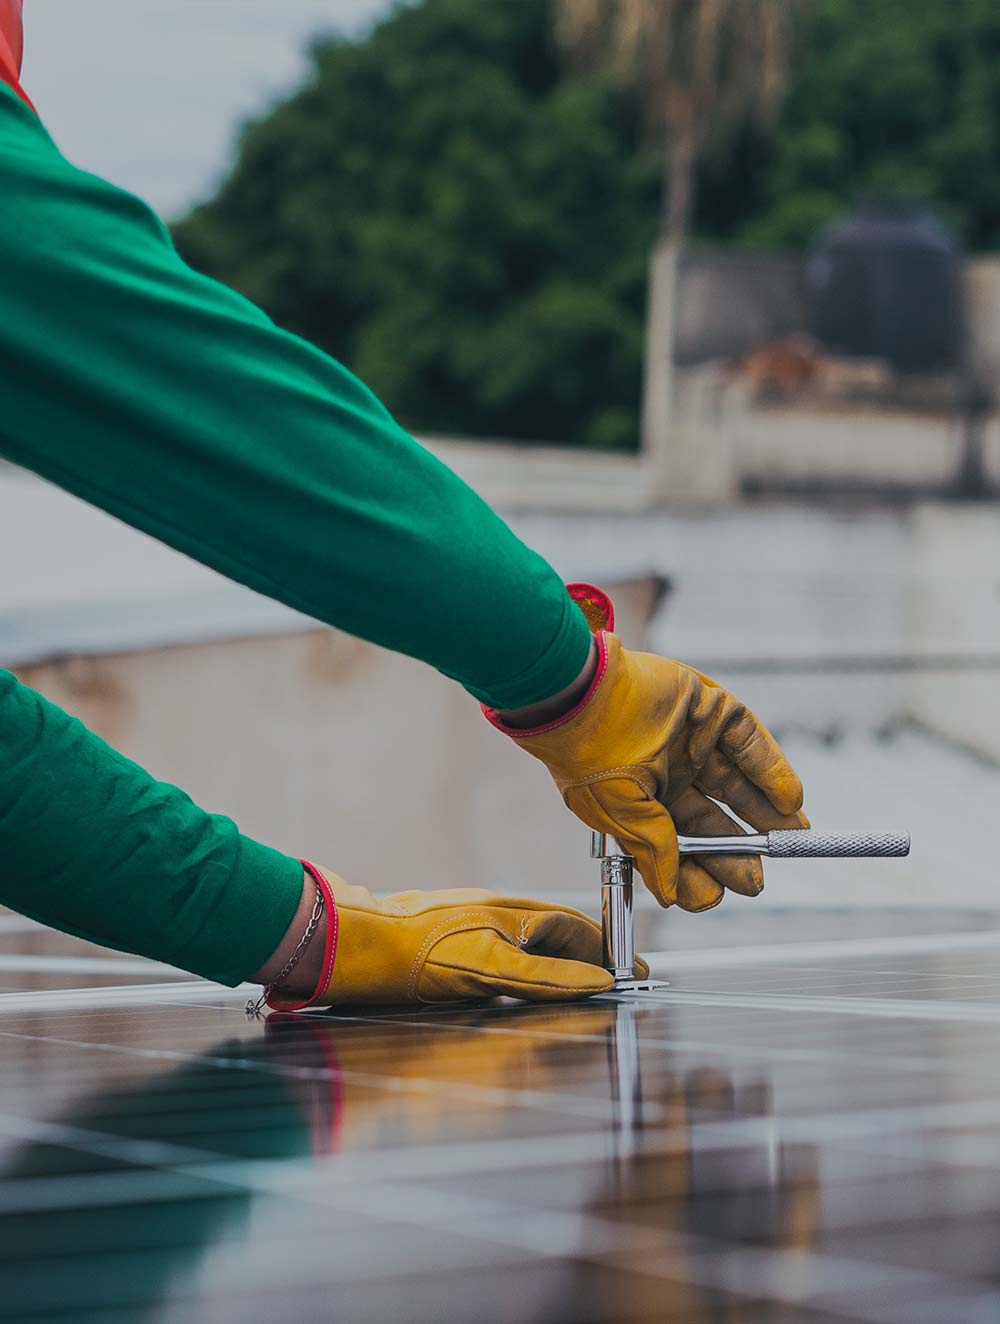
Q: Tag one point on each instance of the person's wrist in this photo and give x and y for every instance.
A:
(558, 705)
(304, 978)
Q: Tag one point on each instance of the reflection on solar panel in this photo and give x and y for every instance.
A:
(797, 1130)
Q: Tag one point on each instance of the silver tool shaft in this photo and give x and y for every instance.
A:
(616, 916)
(801, 844)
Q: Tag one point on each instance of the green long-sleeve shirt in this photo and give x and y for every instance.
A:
(175, 404)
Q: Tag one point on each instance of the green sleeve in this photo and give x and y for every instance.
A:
(178, 406)
(93, 845)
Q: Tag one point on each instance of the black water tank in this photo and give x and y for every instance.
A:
(885, 283)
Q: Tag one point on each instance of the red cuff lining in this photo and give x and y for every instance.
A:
(520, 732)
(329, 950)
(595, 604)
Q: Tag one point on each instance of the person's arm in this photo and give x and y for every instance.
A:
(175, 404)
(93, 845)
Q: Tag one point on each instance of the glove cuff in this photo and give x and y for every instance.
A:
(599, 612)
(329, 949)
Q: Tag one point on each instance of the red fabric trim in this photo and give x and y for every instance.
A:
(326, 1131)
(595, 605)
(326, 1113)
(519, 733)
(8, 74)
(10, 41)
(329, 950)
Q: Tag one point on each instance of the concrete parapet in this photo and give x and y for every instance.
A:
(956, 560)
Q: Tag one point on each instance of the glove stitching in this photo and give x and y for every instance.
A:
(633, 772)
(445, 929)
(521, 983)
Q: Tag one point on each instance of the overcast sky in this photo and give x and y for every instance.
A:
(149, 93)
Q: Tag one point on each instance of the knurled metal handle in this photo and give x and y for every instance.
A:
(800, 844)
(794, 844)
(804, 843)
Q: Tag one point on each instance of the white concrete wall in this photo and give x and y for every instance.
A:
(957, 560)
(720, 441)
(982, 312)
(863, 446)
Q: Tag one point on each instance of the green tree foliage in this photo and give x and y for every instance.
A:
(463, 225)
(895, 98)
(466, 221)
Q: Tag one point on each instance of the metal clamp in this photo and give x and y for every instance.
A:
(618, 954)
(617, 921)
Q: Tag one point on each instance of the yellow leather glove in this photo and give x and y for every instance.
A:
(450, 946)
(647, 751)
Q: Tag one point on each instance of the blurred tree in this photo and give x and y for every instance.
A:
(465, 217)
(891, 99)
(450, 214)
(698, 66)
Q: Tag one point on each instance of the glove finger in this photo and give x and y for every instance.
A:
(562, 933)
(640, 824)
(696, 888)
(698, 816)
(482, 964)
(568, 934)
(748, 743)
(724, 781)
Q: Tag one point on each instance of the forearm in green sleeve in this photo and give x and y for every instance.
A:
(175, 404)
(93, 845)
